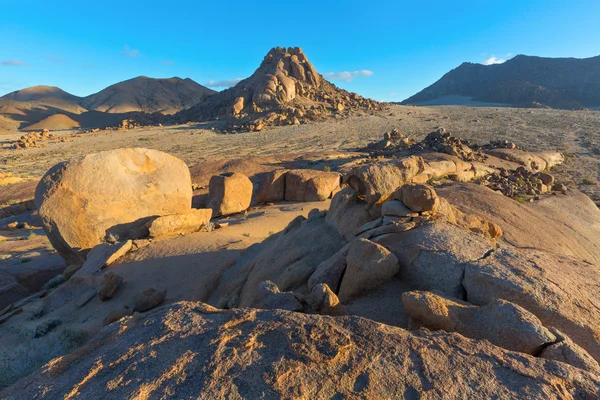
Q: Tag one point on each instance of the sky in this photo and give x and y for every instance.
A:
(385, 50)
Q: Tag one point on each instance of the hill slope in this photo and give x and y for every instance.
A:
(56, 122)
(521, 81)
(285, 89)
(148, 95)
(49, 97)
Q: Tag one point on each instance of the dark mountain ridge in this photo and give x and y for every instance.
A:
(522, 81)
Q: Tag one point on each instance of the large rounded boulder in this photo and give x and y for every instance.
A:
(112, 193)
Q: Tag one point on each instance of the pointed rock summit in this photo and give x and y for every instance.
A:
(286, 89)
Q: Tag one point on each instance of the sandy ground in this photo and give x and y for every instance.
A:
(576, 132)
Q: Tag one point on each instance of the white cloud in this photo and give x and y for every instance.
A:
(493, 60)
(393, 94)
(129, 52)
(223, 84)
(12, 63)
(348, 76)
(167, 62)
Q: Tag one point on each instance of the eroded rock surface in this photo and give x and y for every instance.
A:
(195, 350)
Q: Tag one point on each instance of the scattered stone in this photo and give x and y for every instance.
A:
(347, 213)
(103, 255)
(148, 299)
(85, 297)
(322, 300)
(109, 285)
(269, 297)
(271, 187)
(117, 314)
(432, 255)
(396, 208)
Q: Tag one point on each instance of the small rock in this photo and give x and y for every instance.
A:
(109, 285)
(418, 197)
(395, 208)
(103, 255)
(368, 265)
(180, 224)
(85, 297)
(116, 315)
(148, 299)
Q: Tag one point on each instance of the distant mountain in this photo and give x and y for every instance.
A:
(148, 95)
(47, 96)
(34, 107)
(568, 83)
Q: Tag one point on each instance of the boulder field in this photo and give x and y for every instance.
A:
(440, 269)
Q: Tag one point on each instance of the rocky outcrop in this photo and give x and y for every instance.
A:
(286, 259)
(561, 291)
(114, 192)
(192, 348)
(284, 90)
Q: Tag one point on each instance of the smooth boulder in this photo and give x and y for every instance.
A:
(229, 193)
(114, 192)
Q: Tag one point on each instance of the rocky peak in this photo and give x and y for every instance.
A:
(292, 62)
(285, 89)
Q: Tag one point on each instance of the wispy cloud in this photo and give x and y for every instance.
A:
(56, 59)
(167, 62)
(223, 84)
(494, 60)
(392, 94)
(13, 63)
(347, 76)
(129, 52)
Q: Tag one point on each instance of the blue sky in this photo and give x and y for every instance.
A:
(391, 49)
